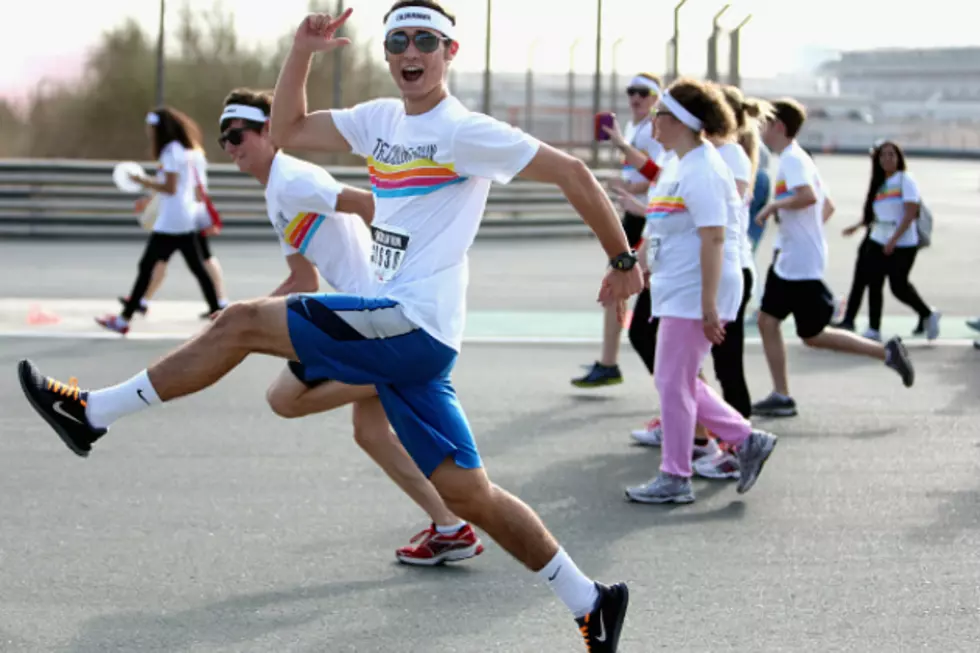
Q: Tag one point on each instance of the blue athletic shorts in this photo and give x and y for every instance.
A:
(369, 341)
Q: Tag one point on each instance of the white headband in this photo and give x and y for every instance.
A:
(645, 82)
(420, 17)
(242, 112)
(679, 112)
(152, 118)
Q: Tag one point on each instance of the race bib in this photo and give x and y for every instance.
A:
(388, 251)
(654, 252)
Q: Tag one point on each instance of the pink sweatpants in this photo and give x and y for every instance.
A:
(685, 399)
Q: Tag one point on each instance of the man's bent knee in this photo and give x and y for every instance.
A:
(260, 325)
(282, 403)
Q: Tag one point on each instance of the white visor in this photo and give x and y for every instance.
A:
(644, 82)
(679, 112)
(152, 118)
(420, 17)
(242, 112)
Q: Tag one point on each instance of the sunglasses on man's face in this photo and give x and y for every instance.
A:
(426, 42)
(638, 90)
(235, 136)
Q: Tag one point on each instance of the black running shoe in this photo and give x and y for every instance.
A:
(62, 405)
(602, 626)
(599, 375)
(897, 358)
(775, 406)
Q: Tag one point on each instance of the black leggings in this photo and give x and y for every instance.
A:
(728, 357)
(897, 268)
(160, 247)
(862, 275)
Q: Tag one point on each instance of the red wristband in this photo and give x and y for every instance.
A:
(650, 170)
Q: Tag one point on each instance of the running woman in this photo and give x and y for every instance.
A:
(794, 285)
(892, 205)
(314, 218)
(693, 250)
(175, 138)
(638, 137)
(431, 162)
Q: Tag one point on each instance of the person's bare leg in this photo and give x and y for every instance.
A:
(518, 529)
(374, 435)
(156, 280)
(775, 349)
(290, 398)
(846, 342)
(506, 519)
(612, 333)
(254, 327)
(217, 277)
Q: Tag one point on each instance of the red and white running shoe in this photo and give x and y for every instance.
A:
(430, 547)
(113, 323)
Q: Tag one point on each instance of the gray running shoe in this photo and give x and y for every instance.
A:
(665, 488)
(752, 455)
(897, 358)
(775, 406)
(932, 325)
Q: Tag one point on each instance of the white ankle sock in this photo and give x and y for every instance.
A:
(449, 530)
(109, 404)
(576, 590)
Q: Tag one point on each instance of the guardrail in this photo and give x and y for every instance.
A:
(74, 198)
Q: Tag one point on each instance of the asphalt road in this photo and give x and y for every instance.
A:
(210, 525)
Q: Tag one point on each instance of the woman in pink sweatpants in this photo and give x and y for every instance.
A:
(692, 252)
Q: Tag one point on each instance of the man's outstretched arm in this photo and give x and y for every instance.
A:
(291, 125)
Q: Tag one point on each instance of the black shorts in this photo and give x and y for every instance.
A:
(634, 225)
(299, 371)
(809, 301)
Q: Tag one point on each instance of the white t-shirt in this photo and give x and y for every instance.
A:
(177, 213)
(693, 192)
(199, 163)
(741, 167)
(889, 209)
(431, 175)
(641, 137)
(301, 199)
(803, 247)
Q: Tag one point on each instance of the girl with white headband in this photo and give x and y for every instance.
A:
(174, 137)
(692, 248)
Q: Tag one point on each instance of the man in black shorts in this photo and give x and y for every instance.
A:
(794, 285)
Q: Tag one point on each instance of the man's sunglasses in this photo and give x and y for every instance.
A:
(638, 90)
(235, 136)
(426, 42)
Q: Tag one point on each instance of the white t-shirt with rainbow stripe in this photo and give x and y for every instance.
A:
(301, 199)
(693, 192)
(431, 175)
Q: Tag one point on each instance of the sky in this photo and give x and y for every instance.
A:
(783, 36)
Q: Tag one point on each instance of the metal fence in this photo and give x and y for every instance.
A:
(78, 199)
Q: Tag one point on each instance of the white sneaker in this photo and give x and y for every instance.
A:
(702, 451)
(652, 435)
(872, 334)
(723, 465)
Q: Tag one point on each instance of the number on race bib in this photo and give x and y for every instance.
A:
(388, 251)
(654, 255)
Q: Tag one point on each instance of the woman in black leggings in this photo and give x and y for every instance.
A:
(175, 138)
(891, 245)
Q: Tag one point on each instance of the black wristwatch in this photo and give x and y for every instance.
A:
(623, 262)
